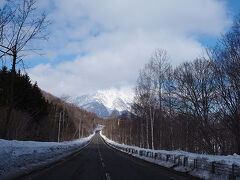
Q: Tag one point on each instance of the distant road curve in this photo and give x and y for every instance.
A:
(98, 161)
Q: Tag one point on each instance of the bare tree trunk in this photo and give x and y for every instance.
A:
(161, 115)
(63, 125)
(142, 136)
(59, 127)
(147, 140)
(152, 114)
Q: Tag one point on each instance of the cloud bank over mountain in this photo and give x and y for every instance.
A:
(102, 44)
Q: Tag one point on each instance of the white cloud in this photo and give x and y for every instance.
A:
(118, 37)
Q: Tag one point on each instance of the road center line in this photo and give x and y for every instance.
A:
(108, 176)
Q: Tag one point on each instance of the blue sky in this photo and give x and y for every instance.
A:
(102, 45)
(233, 8)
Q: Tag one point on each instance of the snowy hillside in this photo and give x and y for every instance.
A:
(104, 102)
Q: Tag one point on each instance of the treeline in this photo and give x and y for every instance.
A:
(193, 107)
(38, 115)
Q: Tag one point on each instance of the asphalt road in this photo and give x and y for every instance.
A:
(98, 161)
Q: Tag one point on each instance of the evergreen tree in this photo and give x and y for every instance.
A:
(27, 96)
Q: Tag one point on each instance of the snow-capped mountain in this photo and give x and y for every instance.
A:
(104, 102)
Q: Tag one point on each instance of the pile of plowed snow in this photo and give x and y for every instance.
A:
(18, 157)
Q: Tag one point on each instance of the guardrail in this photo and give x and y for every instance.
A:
(216, 167)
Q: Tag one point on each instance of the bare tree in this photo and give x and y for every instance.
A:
(159, 63)
(227, 57)
(149, 92)
(196, 91)
(25, 26)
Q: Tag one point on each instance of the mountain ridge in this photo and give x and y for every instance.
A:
(103, 103)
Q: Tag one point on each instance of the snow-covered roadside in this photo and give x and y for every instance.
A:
(199, 165)
(19, 157)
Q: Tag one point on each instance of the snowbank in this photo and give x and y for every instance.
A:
(200, 165)
(19, 157)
